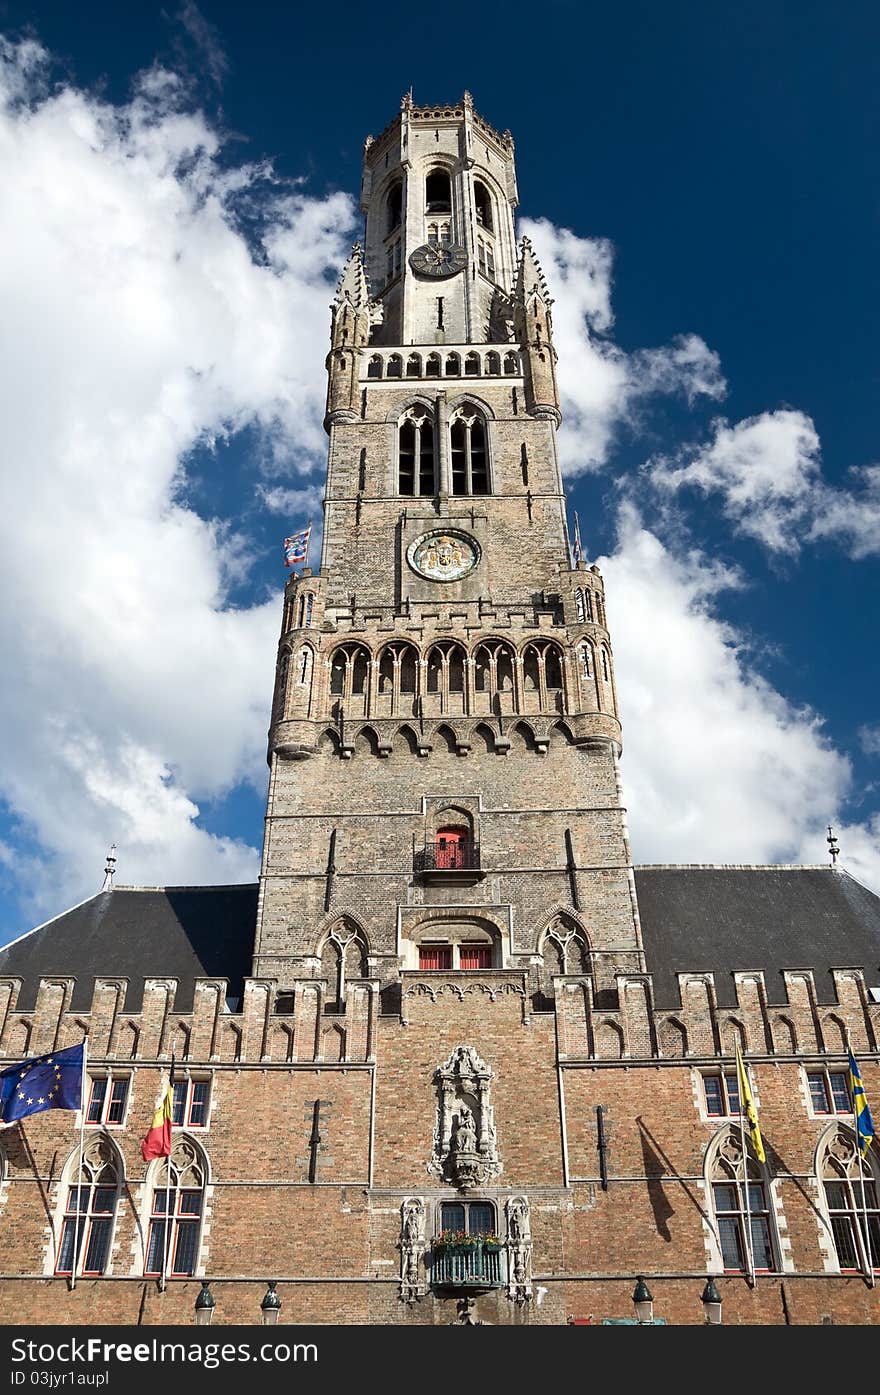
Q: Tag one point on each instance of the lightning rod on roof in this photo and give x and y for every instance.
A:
(833, 846)
(109, 868)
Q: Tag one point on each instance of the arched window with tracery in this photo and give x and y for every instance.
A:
(306, 607)
(741, 1211)
(564, 949)
(280, 704)
(349, 677)
(343, 957)
(89, 1209)
(415, 452)
(398, 681)
(470, 463)
(445, 679)
(850, 1194)
(494, 662)
(542, 677)
(176, 1211)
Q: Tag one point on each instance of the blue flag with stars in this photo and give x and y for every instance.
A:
(53, 1081)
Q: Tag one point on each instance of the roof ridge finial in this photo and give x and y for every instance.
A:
(109, 869)
(833, 846)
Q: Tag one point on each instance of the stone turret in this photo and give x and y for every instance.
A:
(534, 329)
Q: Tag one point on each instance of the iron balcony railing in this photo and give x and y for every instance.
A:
(468, 1266)
(442, 856)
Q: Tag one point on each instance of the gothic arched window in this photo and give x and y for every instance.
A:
(851, 1201)
(432, 366)
(742, 1223)
(415, 452)
(398, 670)
(453, 366)
(470, 465)
(374, 367)
(176, 1211)
(349, 669)
(395, 208)
(542, 676)
(89, 1210)
(483, 206)
(414, 366)
(438, 192)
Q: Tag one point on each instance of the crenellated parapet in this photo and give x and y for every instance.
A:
(265, 1026)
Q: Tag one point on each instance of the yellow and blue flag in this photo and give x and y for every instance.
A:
(748, 1108)
(53, 1081)
(864, 1122)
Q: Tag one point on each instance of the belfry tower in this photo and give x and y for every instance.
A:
(444, 788)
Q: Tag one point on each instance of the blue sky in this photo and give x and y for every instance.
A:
(701, 185)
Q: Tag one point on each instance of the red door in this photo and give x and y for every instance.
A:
(451, 847)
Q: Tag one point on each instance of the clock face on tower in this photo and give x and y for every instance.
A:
(444, 259)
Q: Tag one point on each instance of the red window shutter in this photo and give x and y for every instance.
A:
(435, 957)
(475, 956)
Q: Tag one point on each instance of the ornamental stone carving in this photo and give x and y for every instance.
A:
(465, 1146)
(413, 1283)
(519, 1249)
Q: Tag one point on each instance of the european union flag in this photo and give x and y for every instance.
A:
(53, 1081)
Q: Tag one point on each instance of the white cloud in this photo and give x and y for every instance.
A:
(767, 470)
(601, 386)
(139, 324)
(869, 740)
(718, 766)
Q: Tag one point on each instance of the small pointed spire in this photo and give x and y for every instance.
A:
(833, 846)
(109, 868)
(353, 283)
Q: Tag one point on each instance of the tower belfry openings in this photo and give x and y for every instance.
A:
(452, 674)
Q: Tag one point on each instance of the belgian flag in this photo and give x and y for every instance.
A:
(156, 1142)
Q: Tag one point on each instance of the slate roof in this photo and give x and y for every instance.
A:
(694, 919)
(185, 933)
(727, 919)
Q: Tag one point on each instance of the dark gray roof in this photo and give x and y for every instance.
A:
(728, 919)
(185, 933)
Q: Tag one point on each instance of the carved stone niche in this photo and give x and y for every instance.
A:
(519, 1249)
(465, 1147)
(413, 1283)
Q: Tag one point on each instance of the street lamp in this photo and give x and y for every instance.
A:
(204, 1305)
(643, 1300)
(270, 1306)
(711, 1301)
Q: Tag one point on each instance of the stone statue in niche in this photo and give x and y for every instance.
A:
(412, 1247)
(465, 1150)
(519, 1249)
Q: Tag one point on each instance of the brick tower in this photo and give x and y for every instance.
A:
(444, 788)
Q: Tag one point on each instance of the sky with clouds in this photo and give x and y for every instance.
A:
(170, 246)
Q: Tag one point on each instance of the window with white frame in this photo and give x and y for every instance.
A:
(108, 1097)
(829, 1090)
(721, 1094)
(90, 1201)
(191, 1099)
(176, 1210)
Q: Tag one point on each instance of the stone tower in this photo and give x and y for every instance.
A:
(444, 787)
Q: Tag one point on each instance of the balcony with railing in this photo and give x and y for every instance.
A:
(475, 1265)
(449, 861)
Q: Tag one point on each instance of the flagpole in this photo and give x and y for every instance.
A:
(747, 1205)
(308, 545)
(865, 1236)
(167, 1244)
(82, 1147)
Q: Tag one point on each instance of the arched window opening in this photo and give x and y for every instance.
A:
(176, 1213)
(415, 459)
(470, 469)
(438, 192)
(542, 677)
(349, 676)
(374, 367)
(395, 367)
(486, 259)
(453, 366)
(493, 365)
(472, 366)
(483, 206)
(587, 661)
(398, 668)
(89, 1211)
(588, 604)
(493, 675)
(511, 364)
(306, 604)
(446, 679)
(343, 957)
(605, 664)
(853, 1213)
(395, 208)
(580, 607)
(305, 667)
(414, 366)
(742, 1225)
(432, 367)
